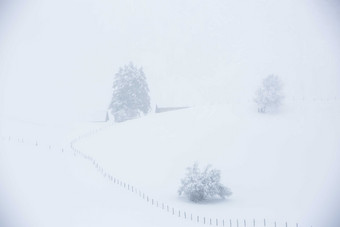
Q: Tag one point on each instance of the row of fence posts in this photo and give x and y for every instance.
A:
(163, 206)
(21, 140)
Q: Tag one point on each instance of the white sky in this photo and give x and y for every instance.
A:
(58, 58)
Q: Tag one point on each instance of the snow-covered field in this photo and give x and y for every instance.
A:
(57, 63)
(43, 187)
(279, 166)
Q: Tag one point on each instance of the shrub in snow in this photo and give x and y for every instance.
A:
(269, 96)
(201, 185)
(130, 94)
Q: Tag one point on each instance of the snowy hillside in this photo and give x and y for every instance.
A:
(280, 166)
(57, 64)
(193, 52)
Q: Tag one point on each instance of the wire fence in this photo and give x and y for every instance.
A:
(165, 207)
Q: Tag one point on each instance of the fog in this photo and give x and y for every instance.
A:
(58, 59)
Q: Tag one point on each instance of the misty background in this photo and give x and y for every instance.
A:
(58, 59)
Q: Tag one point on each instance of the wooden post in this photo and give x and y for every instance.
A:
(230, 223)
(198, 218)
(264, 222)
(245, 224)
(173, 211)
(185, 215)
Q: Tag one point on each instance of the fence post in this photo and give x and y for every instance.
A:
(173, 211)
(185, 215)
(198, 218)
(264, 222)
(203, 220)
(245, 224)
(230, 223)
(216, 222)
(237, 222)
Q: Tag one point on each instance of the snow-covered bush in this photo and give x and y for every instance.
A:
(130, 94)
(269, 95)
(201, 185)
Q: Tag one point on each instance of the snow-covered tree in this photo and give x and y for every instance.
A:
(130, 94)
(269, 95)
(201, 185)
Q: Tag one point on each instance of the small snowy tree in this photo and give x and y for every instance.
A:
(269, 96)
(130, 94)
(199, 186)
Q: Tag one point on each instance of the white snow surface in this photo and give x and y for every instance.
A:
(57, 63)
(282, 167)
